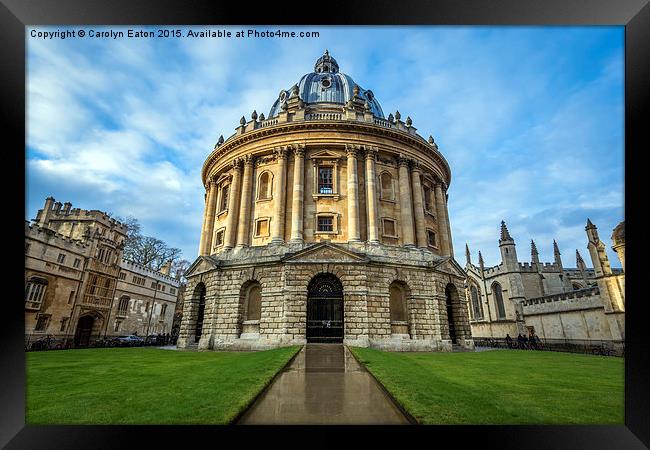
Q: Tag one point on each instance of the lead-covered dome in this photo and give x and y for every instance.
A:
(327, 86)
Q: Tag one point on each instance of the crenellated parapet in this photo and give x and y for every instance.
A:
(132, 266)
(51, 237)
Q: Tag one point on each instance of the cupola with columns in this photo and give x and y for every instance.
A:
(325, 165)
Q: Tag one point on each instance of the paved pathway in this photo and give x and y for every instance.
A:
(324, 385)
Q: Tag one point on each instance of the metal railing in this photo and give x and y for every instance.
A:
(587, 346)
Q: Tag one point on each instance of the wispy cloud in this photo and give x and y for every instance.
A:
(530, 119)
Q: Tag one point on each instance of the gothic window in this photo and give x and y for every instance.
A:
(477, 310)
(117, 325)
(497, 291)
(34, 292)
(265, 185)
(42, 322)
(325, 180)
(61, 258)
(122, 275)
(123, 306)
(163, 310)
(77, 263)
(64, 322)
(386, 185)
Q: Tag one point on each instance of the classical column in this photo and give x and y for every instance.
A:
(298, 193)
(418, 205)
(353, 194)
(233, 205)
(277, 228)
(210, 211)
(371, 194)
(450, 242)
(405, 202)
(441, 213)
(243, 231)
(205, 216)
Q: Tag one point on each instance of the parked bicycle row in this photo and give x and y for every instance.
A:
(51, 343)
(533, 342)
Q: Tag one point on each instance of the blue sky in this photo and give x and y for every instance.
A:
(531, 120)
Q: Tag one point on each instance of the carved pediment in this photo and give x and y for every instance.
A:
(325, 253)
(202, 264)
(450, 266)
(326, 154)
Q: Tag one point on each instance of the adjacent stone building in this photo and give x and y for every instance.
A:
(325, 222)
(547, 299)
(77, 286)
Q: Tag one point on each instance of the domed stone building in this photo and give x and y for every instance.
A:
(325, 222)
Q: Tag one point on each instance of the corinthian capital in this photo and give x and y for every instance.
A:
(403, 161)
(416, 166)
(281, 152)
(249, 160)
(371, 152)
(299, 151)
(352, 150)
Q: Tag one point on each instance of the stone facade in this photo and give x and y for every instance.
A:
(77, 286)
(325, 185)
(553, 302)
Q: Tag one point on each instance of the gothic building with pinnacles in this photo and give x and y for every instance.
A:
(326, 222)
(558, 304)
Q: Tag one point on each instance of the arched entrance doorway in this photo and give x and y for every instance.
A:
(325, 309)
(451, 297)
(84, 331)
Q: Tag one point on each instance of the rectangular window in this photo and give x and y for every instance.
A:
(325, 183)
(224, 198)
(64, 322)
(218, 240)
(153, 285)
(122, 275)
(42, 322)
(77, 263)
(431, 237)
(163, 288)
(427, 198)
(389, 228)
(262, 228)
(326, 223)
(117, 325)
(172, 291)
(71, 297)
(61, 258)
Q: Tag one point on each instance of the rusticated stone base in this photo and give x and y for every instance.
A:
(365, 276)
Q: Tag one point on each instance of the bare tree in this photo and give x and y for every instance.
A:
(179, 267)
(147, 251)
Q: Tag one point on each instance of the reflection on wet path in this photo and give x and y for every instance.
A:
(324, 385)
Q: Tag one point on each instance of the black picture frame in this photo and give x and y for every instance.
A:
(15, 15)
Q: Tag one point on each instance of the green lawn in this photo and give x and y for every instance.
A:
(146, 385)
(502, 386)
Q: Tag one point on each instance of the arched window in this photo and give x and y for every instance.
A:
(253, 310)
(386, 184)
(477, 310)
(498, 299)
(123, 306)
(264, 186)
(34, 292)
